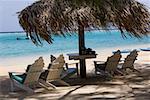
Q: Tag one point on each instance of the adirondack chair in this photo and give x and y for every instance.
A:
(109, 67)
(129, 61)
(54, 72)
(30, 78)
(68, 71)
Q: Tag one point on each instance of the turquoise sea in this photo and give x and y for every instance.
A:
(11, 47)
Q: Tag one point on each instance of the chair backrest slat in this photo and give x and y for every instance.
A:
(54, 74)
(112, 62)
(130, 59)
(56, 68)
(34, 71)
(58, 62)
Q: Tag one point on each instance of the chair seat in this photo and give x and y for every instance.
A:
(100, 67)
(69, 72)
(19, 78)
(44, 74)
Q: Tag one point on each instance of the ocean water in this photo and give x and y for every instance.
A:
(11, 47)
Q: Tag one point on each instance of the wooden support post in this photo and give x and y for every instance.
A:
(81, 48)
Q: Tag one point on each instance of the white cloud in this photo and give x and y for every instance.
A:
(145, 2)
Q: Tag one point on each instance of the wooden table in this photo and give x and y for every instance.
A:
(76, 56)
(81, 58)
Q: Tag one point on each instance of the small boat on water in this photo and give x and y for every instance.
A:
(124, 51)
(18, 38)
(23, 38)
(145, 49)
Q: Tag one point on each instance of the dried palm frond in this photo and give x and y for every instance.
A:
(47, 17)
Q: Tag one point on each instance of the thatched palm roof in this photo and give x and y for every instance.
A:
(46, 17)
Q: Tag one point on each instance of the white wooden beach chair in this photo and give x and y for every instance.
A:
(110, 66)
(30, 78)
(54, 72)
(69, 69)
(129, 61)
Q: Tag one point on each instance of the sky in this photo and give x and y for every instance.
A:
(9, 18)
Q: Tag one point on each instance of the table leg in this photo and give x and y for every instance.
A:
(82, 68)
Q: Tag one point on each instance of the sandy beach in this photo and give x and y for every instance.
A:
(134, 86)
(31, 31)
(19, 64)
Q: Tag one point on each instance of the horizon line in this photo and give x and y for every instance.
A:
(12, 32)
(24, 31)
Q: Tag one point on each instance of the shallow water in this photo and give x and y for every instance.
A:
(11, 47)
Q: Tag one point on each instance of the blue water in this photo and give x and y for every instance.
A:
(11, 47)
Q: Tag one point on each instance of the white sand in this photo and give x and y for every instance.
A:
(134, 86)
(19, 64)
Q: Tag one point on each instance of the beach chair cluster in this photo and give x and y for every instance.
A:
(36, 76)
(30, 78)
(110, 67)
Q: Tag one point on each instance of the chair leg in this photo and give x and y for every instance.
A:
(109, 74)
(136, 70)
(133, 69)
(44, 86)
(120, 72)
(53, 86)
(29, 90)
(47, 84)
(124, 70)
(63, 82)
(95, 71)
(12, 85)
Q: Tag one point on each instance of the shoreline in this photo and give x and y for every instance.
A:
(131, 86)
(19, 64)
(110, 49)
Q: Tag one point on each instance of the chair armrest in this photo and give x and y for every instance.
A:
(17, 72)
(68, 64)
(121, 60)
(99, 62)
(132, 59)
(99, 67)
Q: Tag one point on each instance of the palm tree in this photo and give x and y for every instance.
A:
(45, 18)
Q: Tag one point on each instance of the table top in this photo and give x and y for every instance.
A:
(76, 56)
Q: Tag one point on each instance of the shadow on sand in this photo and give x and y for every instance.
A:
(133, 86)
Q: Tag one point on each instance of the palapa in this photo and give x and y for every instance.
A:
(45, 18)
